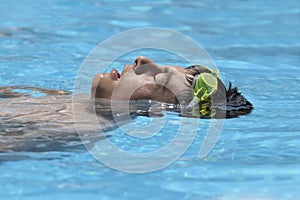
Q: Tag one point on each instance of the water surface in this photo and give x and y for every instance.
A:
(255, 44)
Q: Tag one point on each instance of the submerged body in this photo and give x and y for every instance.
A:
(46, 123)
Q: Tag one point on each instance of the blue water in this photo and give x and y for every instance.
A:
(255, 44)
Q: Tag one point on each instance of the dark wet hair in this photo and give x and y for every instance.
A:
(224, 102)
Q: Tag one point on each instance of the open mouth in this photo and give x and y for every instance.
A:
(115, 75)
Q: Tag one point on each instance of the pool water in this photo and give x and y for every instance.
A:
(256, 46)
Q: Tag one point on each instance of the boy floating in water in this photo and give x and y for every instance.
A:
(27, 123)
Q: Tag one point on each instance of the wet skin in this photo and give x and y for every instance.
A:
(144, 79)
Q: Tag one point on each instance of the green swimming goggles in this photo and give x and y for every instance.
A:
(205, 84)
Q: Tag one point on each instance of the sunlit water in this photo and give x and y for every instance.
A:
(254, 44)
